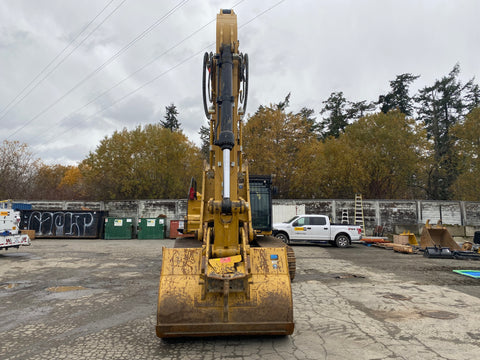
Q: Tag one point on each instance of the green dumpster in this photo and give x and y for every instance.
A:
(118, 228)
(151, 228)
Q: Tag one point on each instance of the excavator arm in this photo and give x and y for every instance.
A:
(220, 283)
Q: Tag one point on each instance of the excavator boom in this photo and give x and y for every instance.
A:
(221, 282)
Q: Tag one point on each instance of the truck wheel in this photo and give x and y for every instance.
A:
(342, 241)
(283, 237)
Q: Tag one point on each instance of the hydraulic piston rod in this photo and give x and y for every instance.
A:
(226, 173)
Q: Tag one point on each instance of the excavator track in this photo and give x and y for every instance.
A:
(292, 262)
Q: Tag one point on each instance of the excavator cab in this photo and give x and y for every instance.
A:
(222, 281)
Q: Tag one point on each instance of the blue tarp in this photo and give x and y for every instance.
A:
(472, 273)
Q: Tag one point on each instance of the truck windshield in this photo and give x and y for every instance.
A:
(292, 219)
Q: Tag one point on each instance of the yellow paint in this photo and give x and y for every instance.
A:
(299, 229)
(412, 239)
(225, 264)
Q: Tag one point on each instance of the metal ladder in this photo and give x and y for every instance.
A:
(359, 219)
(345, 216)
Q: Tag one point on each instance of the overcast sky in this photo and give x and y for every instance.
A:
(73, 72)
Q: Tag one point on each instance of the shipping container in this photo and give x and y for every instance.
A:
(49, 223)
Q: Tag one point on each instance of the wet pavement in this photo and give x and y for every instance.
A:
(96, 299)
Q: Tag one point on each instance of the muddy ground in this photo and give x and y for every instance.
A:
(96, 299)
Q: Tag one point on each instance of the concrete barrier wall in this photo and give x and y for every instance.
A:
(392, 214)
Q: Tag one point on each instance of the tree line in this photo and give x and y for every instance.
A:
(399, 146)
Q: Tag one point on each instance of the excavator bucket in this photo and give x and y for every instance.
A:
(437, 236)
(190, 303)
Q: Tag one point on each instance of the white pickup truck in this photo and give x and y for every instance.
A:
(316, 229)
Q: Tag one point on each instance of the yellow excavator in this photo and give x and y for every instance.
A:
(226, 279)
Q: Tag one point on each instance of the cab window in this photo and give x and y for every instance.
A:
(301, 221)
(318, 221)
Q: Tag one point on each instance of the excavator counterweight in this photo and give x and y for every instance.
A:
(222, 281)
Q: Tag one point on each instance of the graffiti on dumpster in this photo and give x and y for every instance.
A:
(62, 223)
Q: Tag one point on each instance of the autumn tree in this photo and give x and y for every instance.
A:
(377, 156)
(72, 185)
(467, 145)
(148, 162)
(57, 182)
(47, 180)
(273, 139)
(171, 121)
(17, 168)
(387, 149)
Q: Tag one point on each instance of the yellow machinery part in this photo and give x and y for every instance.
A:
(412, 239)
(437, 236)
(260, 303)
(224, 265)
(222, 285)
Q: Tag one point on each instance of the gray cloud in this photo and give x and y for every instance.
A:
(309, 48)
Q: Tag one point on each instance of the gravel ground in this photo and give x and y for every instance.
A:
(96, 299)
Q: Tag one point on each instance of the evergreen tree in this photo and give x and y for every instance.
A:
(310, 120)
(205, 138)
(171, 121)
(337, 120)
(441, 106)
(340, 113)
(282, 105)
(398, 97)
(359, 109)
